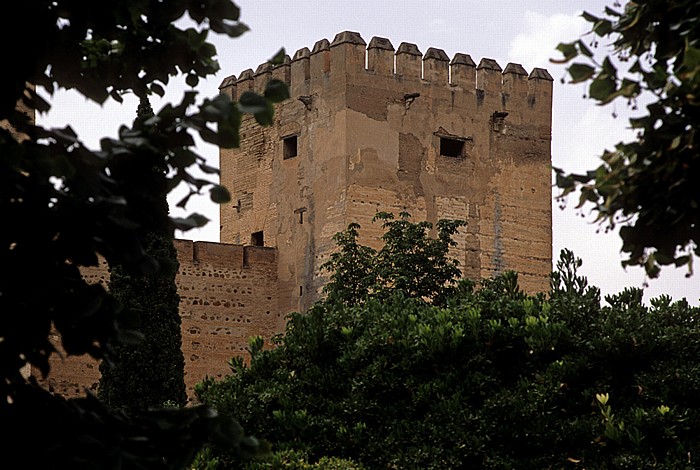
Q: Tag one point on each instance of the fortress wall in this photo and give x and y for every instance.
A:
(250, 180)
(516, 217)
(326, 68)
(279, 196)
(24, 109)
(71, 375)
(370, 120)
(499, 183)
(228, 293)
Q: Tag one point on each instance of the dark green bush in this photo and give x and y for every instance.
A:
(492, 378)
(280, 460)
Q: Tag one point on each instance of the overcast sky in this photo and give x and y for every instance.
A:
(524, 32)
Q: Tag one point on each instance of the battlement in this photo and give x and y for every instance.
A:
(349, 59)
(225, 255)
(370, 126)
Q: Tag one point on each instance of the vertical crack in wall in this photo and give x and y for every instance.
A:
(310, 281)
(498, 263)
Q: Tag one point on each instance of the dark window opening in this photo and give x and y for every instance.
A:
(451, 147)
(290, 146)
(301, 291)
(257, 239)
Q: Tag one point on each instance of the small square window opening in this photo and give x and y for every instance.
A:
(451, 147)
(257, 239)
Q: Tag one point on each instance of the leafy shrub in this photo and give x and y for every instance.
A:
(489, 378)
(281, 460)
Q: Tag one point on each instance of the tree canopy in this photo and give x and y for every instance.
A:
(410, 261)
(149, 372)
(65, 205)
(645, 51)
(489, 378)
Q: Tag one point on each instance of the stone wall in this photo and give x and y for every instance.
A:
(228, 293)
(24, 109)
(367, 128)
(372, 128)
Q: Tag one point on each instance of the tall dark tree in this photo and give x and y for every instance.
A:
(149, 372)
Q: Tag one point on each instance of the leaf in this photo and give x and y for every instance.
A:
(602, 89)
(568, 50)
(252, 103)
(192, 79)
(676, 142)
(629, 88)
(583, 49)
(276, 91)
(609, 68)
(228, 130)
(194, 220)
(265, 117)
(580, 72)
(209, 169)
(231, 29)
(220, 194)
(157, 89)
(603, 28)
(590, 18)
(278, 58)
(651, 267)
(691, 57)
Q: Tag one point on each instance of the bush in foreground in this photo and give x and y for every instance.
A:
(491, 378)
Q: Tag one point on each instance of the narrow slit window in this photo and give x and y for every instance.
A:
(301, 214)
(257, 239)
(451, 147)
(290, 146)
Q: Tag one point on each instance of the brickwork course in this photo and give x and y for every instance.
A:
(368, 127)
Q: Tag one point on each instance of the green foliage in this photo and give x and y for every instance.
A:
(145, 374)
(85, 433)
(66, 204)
(148, 372)
(410, 261)
(492, 378)
(280, 460)
(649, 185)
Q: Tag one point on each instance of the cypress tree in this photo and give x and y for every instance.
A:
(148, 372)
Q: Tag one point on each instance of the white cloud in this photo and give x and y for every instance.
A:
(541, 35)
(581, 137)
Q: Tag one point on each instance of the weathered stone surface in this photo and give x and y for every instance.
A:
(370, 139)
(228, 293)
(402, 134)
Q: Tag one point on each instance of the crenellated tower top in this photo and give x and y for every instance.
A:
(372, 127)
(348, 57)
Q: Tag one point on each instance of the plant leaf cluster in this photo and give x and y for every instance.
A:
(66, 206)
(410, 261)
(490, 378)
(647, 186)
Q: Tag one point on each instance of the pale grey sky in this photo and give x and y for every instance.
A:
(524, 32)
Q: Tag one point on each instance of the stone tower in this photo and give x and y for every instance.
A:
(367, 129)
(371, 128)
